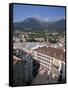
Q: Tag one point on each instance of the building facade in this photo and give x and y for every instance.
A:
(50, 58)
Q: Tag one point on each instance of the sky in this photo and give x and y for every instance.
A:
(48, 13)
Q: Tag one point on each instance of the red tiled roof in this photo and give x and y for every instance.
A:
(57, 53)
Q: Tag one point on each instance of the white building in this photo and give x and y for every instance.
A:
(51, 58)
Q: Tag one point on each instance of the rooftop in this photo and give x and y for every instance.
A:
(57, 53)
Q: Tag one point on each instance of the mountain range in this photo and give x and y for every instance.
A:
(34, 23)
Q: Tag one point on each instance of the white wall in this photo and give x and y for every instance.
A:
(4, 44)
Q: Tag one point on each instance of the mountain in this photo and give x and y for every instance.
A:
(36, 24)
(58, 25)
(30, 23)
